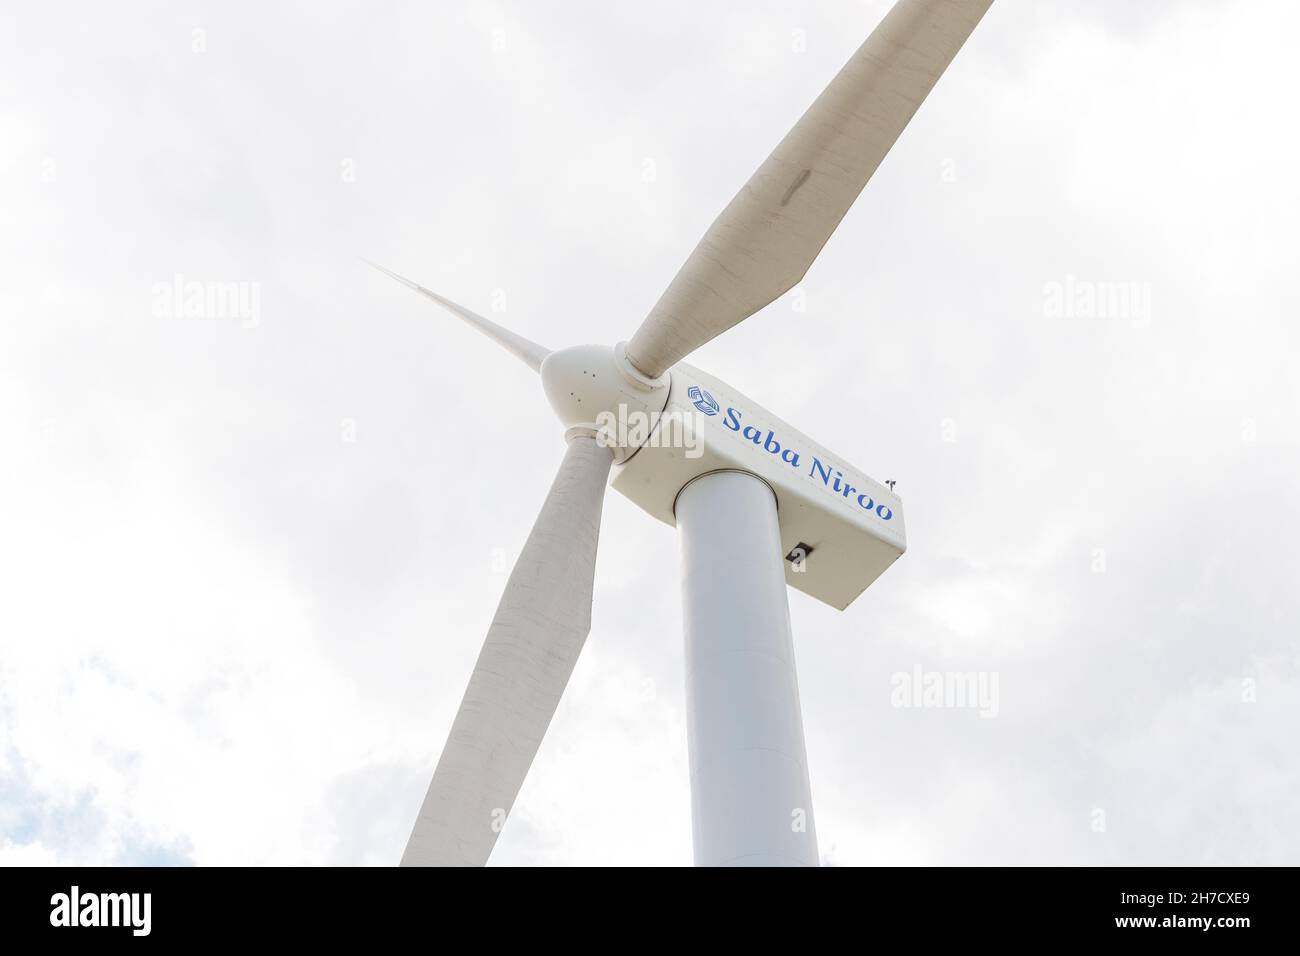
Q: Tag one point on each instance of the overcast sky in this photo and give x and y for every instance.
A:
(247, 559)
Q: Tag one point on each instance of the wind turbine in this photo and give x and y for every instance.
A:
(758, 505)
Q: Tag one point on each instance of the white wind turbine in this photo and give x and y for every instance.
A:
(758, 504)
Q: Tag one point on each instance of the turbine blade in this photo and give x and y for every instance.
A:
(764, 241)
(530, 352)
(530, 650)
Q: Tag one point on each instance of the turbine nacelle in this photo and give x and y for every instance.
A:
(840, 529)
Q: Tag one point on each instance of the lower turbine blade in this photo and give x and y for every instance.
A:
(531, 648)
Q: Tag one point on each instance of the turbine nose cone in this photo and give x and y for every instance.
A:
(589, 391)
(578, 383)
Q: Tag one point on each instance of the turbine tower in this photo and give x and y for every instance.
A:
(758, 504)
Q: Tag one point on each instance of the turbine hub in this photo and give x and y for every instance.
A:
(594, 389)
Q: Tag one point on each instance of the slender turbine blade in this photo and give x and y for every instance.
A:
(764, 241)
(529, 352)
(531, 647)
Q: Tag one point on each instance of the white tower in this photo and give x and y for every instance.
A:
(750, 799)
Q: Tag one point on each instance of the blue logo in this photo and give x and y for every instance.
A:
(703, 400)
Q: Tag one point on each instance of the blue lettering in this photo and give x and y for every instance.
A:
(820, 471)
(831, 477)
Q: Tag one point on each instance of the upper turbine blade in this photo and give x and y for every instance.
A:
(531, 647)
(530, 352)
(764, 241)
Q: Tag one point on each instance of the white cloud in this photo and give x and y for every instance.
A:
(228, 635)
